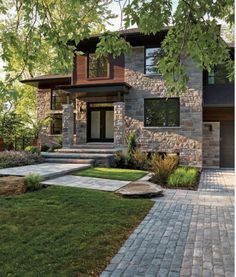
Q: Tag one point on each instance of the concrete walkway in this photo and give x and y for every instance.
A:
(186, 233)
(87, 182)
(46, 170)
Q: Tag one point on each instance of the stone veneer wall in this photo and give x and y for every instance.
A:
(119, 123)
(81, 121)
(67, 127)
(186, 139)
(211, 144)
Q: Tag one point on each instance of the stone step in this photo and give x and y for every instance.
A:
(69, 161)
(95, 145)
(69, 155)
(89, 150)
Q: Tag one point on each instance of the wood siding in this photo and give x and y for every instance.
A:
(116, 71)
(218, 114)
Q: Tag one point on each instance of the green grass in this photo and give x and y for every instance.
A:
(113, 173)
(183, 177)
(62, 231)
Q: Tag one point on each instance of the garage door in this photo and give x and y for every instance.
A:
(227, 144)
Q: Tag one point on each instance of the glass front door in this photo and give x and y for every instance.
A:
(100, 123)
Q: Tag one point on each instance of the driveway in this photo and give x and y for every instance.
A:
(186, 233)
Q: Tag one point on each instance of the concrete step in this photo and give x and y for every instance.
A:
(69, 161)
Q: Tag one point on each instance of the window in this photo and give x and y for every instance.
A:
(152, 59)
(218, 76)
(97, 67)
(56, 124)
(161, 112)
(57, 100)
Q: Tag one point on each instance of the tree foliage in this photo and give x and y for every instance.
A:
(35, 34)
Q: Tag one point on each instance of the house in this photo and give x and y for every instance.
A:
(104, 99)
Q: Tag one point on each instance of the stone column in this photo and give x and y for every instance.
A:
(68, 125)
(81, 121)
(119, 124)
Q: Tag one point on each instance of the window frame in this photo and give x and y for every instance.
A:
(97, 78)
(145, 57)
(51, 106)
(51, 124)
(166, 109)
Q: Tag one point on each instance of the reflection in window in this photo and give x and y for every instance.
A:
(218, 76)
(161, 112)
(152, 58)
(97, 67)
(56, 124)
(57, 100)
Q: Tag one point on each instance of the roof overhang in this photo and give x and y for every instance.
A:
(103, 89)
(48, 81)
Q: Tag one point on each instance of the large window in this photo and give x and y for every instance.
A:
(218, 76)
(97, 67)
(56, 124)
(57, 100)
(152, 59)
(161, 112)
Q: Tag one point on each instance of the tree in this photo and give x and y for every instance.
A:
(35, 33)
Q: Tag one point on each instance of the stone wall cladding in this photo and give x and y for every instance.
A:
(185, 139)
(67, 125)
(211, 144)
(81, 121)
(119, 123)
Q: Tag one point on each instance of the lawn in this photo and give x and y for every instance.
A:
(113, 173)
(61, 231)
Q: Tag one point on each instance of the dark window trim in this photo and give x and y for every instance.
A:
(146, 47)
(97, 78)
(160, 98)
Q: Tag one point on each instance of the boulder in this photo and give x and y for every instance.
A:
(140, 189)
(10, 185)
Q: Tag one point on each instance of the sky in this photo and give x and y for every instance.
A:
(116, 10)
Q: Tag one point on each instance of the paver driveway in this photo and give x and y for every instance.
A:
(186, 233)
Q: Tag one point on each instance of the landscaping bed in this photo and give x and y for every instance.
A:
(113, 173)
(61, 231)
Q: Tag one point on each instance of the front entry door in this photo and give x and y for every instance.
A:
(227, 144)
(100, 124)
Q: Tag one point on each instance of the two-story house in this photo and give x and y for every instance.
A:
(104, 99)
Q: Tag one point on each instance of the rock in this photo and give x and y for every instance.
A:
(11, 185)
(140, 189)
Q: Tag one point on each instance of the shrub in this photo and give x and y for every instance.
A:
(45, 147)
(18, 158)
(131, 144)
(32, 149)
(162, 167)
(183, 177)
(119, 160)
(138, 160)
(32, 182)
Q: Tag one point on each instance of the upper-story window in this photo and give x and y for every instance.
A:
(152, 59)
(57, 100)
(161, 112)
(97, 67)
(218, 76)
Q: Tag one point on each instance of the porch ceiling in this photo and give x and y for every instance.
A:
(104, 89)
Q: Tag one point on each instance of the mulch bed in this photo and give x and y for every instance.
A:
(12, 185)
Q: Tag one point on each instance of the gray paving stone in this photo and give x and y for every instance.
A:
(186, 233)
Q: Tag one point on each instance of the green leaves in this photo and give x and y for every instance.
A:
(112, 44)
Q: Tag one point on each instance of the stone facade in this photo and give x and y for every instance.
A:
(185, 139)
(211, 144)
(67, 125)
(81, 121)
(119, 123)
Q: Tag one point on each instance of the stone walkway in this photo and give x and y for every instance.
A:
(87, 182)
(46, 170)
(186, 233)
